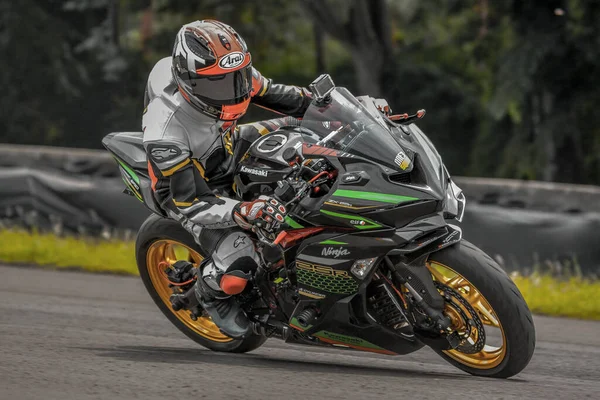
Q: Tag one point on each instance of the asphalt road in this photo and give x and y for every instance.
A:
(69, 335)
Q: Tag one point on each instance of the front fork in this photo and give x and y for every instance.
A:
(404, 275)
(410, 270)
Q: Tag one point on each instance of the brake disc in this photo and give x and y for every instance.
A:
(455, 300)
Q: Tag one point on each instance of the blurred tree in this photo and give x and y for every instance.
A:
(363, 27)
(511, 87)
(39, 67)
(546, 87)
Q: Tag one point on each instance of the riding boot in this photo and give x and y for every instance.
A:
(225, 312)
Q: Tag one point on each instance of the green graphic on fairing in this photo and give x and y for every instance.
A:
(373, 196)
(332, 242)
(325, 279)
(129, 171)
(292, 223)
(131, 180)
(357, 221)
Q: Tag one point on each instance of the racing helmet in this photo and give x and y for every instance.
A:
(213, 69)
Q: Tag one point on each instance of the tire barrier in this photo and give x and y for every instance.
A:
(70, 204)
(528, 240)
(532, 195)
(97, 163)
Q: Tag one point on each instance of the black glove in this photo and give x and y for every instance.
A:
(265, 213)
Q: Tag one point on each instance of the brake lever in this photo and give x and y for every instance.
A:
(404, 118)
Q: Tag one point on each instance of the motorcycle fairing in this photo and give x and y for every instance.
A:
(128, 149)
(325, 281)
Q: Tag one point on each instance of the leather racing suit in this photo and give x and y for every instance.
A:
(192, 158)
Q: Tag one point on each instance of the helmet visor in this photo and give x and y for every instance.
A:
(226, 89)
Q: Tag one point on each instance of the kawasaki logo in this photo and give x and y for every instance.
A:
(254, 171)
(232, 60)
(336, 253)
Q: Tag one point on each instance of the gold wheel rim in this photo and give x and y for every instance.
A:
(166, 252)
(492, 354)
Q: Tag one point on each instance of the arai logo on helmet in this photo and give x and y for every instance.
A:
(232, 60)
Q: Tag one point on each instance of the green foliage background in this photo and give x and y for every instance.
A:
(511, 87)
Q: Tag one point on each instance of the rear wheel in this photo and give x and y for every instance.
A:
(160, 243)
(487, 309)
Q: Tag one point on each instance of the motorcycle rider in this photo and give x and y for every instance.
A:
(193, 101)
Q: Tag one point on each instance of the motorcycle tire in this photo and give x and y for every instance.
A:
(158, 240)
(497, 297)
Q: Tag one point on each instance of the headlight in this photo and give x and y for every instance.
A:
(462, 203)
(455, 201)
(361, 268)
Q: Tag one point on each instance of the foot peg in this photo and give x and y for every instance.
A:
(178, 301)
(185, 301)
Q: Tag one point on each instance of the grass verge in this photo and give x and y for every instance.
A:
(576, 297)
(67, 252)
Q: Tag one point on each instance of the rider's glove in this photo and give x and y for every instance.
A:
(265, 213)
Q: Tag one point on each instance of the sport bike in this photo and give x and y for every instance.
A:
(371, 256)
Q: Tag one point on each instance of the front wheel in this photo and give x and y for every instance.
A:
(487, 309)
(160, 243)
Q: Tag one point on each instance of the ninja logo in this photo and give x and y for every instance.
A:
(336, 253)
(164, 153)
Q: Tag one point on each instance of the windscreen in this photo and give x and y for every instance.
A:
(345, 124)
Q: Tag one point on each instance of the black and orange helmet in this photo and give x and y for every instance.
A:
(213, 69)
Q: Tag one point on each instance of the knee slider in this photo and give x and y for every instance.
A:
(234, 281)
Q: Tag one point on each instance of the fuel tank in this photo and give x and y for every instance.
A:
(265, 161)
